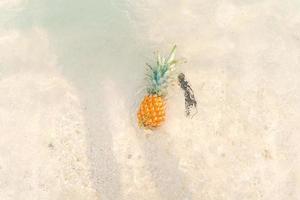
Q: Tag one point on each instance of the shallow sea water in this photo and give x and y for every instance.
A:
(71, 74)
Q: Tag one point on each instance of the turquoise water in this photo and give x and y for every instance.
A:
(90, 38)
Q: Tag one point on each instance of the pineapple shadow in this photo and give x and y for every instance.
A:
(163, 166)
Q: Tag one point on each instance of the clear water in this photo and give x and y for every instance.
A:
(70, 72)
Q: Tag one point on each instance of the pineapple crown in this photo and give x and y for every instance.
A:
(161, 74)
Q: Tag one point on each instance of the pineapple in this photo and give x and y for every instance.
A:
(152, 110)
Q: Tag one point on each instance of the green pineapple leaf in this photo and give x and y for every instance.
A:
(160, 75)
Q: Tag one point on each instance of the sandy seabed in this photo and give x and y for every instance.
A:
(70, 73)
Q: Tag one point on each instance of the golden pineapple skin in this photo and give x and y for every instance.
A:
(152, 111)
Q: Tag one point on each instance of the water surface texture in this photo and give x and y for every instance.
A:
(70, 76)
